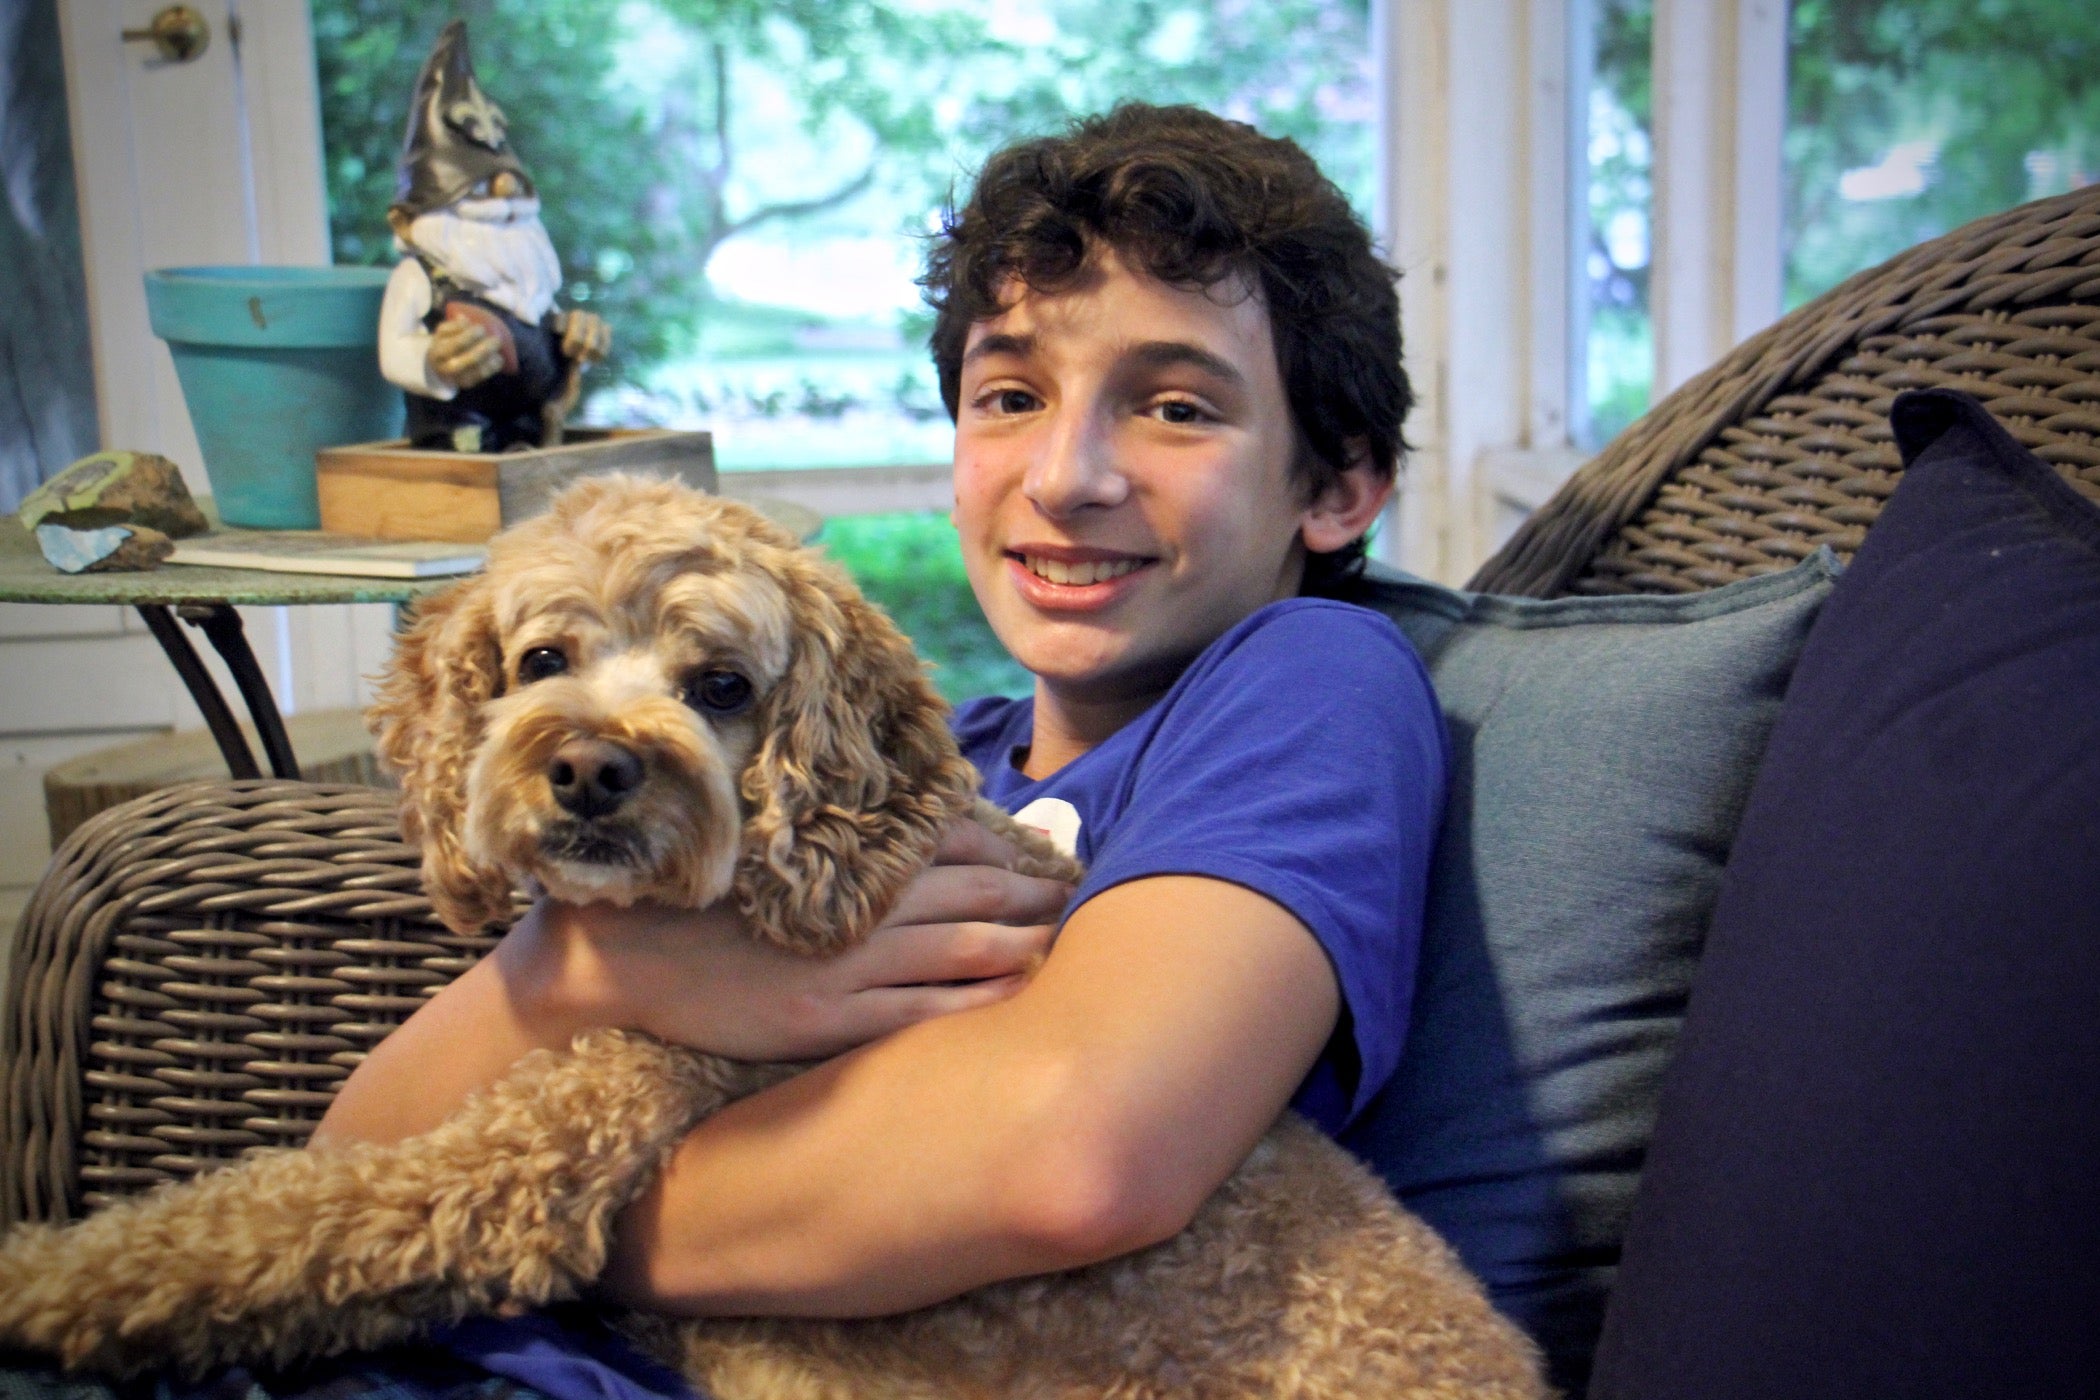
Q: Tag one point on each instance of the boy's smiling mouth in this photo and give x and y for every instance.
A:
(1084, 572)
(1062, 576)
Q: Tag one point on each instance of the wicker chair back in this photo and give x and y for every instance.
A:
(1785, 445)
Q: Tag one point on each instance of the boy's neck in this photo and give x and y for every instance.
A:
(1066, 727)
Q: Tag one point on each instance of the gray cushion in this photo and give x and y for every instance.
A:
(1602, 749)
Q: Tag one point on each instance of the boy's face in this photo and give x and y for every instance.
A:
(1122, 479)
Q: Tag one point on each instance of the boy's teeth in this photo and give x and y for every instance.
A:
(1098, 571)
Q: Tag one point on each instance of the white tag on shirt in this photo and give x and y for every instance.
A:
(1056, 819)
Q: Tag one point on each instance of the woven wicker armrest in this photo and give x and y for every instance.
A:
(195, 974)
(1785, 445)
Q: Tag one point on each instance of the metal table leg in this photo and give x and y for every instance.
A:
(240, 763)
(223, 626)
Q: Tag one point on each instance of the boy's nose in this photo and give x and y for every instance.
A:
(1075, 467)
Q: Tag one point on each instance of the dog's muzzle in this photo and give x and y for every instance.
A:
(593, 778)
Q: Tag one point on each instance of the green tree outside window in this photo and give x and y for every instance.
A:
(672, 137)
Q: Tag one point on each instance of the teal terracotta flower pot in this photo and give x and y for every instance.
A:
(275, 362)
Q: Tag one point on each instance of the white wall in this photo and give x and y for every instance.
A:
(217, 160)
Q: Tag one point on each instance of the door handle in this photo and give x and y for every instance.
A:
(178, 31)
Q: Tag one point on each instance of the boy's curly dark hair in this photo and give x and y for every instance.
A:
(1195, 201)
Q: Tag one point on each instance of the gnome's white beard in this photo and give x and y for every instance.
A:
(496, 248)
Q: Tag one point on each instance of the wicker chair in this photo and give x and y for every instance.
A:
(195, 974)
(199, 969)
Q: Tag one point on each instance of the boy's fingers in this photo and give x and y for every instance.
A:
(953, 894)
(884, 1009)
(969, 842)
(927, 954)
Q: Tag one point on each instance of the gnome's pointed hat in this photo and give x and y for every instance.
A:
(456, 137)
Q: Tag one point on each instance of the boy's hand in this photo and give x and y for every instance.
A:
(965, 933)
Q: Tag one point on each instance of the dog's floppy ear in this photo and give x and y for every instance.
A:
(427, 721)
(855, 775)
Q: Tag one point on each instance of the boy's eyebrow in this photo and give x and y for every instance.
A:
(1163, 354)
(1148, 354)
(1000, 343)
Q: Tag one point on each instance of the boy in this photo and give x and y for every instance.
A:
(1173, 361)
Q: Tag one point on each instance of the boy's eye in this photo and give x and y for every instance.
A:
(1179, 411)
(540, 663)
(1009, 401)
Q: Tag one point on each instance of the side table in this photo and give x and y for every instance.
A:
(205, 598)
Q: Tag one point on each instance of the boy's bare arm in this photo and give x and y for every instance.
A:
(698, 978)
(1087, 1116)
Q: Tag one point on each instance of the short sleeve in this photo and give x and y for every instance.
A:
(1303, 758)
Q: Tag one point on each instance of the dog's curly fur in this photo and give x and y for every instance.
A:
(812, 807)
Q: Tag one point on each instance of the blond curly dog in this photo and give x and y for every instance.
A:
(651, 693)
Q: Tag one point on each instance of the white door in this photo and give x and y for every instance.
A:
(213, 160)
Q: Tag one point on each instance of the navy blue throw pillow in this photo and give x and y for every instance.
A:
(1876, 1168)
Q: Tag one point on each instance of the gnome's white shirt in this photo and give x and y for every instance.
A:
(496, 248)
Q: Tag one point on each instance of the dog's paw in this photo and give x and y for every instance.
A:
(302, 1254)
(28, 1272)
(57, 1302)
(1040, 852)
(180, 1280)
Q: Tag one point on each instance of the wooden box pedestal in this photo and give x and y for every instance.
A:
(391, 491)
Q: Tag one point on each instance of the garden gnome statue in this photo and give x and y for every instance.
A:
(469, 327)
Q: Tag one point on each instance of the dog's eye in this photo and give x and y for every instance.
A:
(540, 663)
(718, 693)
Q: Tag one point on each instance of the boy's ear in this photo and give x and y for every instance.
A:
(1345, 508)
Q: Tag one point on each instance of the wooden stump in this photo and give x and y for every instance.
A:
(331, 745)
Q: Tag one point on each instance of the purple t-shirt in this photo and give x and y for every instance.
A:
(1301, 756)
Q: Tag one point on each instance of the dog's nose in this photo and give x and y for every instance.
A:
(591, 777)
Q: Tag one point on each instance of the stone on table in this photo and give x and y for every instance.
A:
(117, 488)
(106, 549)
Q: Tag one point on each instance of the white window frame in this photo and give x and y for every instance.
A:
(1486, 168)
(1720, 116)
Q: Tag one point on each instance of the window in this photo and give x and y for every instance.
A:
(742, 192)
(1590, 199)
(47, 404)
(1618, 336)
(1596, 199)
(1909, 118)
